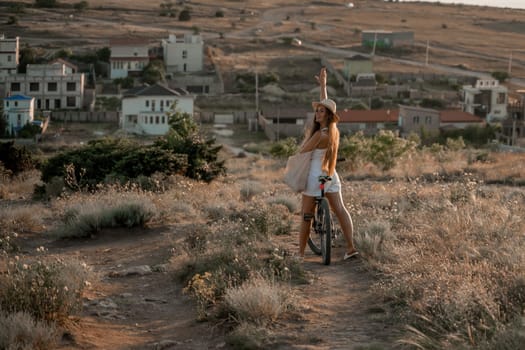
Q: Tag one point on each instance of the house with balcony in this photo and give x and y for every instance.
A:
(55, 85)
(19, 110)
(183, 53)
(145, 108)
(486, 99)
(9, 49)
(128, 57)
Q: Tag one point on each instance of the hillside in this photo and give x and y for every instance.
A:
(248, 34)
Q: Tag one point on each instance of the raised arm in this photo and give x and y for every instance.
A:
(321, 79)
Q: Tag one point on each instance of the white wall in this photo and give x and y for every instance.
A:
(145, 115)
(18, 112)
(183, 54)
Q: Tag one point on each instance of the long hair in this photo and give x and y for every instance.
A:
(330, 157)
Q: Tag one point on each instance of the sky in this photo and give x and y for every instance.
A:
(518, 4)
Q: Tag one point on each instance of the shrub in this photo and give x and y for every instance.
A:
(46, 3)
(16, 159)
(49, 290)
(386, 148)
(185, 15)
(20, 330)
(284, 148)
(89, 218)
(81, 6)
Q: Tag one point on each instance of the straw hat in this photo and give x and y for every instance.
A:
(328, 104)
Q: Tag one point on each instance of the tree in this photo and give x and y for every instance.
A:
(16, 159)
(81, 6)
(46, 3)
(104, 54)
(63, 53)
(154, 72)
(3, 121)
(27, 56)
(185, 15)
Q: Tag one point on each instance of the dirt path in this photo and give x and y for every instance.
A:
(340, 311)
(135, 303)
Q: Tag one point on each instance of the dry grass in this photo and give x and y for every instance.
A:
(446, 240)
(258, 300)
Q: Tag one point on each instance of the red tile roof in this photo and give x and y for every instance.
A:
(372, 116)
(458, 116)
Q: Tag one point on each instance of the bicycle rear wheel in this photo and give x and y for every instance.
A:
(321, 242)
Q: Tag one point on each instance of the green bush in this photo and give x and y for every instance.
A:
(46, 3)
(284, 148)
(185, 15)
(16, 159)
(385, 149)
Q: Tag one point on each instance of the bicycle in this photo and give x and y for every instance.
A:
(323, 225)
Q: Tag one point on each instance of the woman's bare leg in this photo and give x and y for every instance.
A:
(343, 216)
(307, 214)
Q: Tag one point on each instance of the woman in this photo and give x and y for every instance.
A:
(323, 138)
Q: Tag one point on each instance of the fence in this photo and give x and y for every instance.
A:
(84, 116)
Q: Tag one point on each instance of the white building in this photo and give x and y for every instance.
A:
(128, 57)
(486, 99)
(145, 108)
(54, 86)
(183, 53)
(9, 49)
(19, 110)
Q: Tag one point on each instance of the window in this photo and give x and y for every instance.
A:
(153, 105)
(16, 103)
(501, 98)
(428, 120)
(71, 86)
(156, 119)
(58, 103)
(185, 67)
(146, 119)
(15, 86)
(151, 119)
(415, 120)
(184, 54)
(147, 103)
(39, 104)
(71, 101)
(52, 87)
(34, 86)
(163, 120)
(8, 58)
(7, 103)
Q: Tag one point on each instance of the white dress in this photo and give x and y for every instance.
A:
(312, 186)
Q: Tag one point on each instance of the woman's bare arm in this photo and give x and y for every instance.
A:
(321, 79)
(318, 140)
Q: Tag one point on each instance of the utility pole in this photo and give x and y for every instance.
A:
(426, 55)
(256, 90)
(374, 47)
(510, 63)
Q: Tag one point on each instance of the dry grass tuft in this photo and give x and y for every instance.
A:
(20, 330)
(258, 300)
